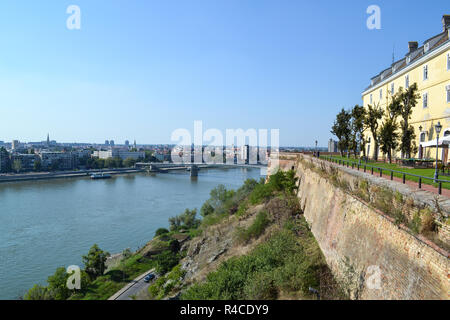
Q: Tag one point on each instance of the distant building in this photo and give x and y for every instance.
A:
(332, 146)
(4, 160)
(245, 154)
(58, 160)
(161, 157)
(106, 142)
(118, 153)
(111, 143)
(15, 145)
(127, 143)
(26, 160)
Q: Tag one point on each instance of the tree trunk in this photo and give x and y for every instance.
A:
(375, 150)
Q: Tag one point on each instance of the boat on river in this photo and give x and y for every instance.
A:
(97, 176)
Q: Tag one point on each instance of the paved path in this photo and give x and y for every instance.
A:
(133, 288)
(412, 184)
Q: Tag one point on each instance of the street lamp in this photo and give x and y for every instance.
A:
(316, 148)
(438, 129)
(420, 141)
(360, 148)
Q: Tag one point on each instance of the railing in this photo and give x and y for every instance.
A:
(366, 167)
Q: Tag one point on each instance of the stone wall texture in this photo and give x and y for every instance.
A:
(371, 255)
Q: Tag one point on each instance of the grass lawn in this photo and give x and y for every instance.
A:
(420, 172)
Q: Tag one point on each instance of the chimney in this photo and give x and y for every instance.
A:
(413, 45)
(446, 21)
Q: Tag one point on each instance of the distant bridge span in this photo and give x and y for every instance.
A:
(192, 167)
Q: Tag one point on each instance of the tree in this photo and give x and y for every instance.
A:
(388, 134)
(38, 292)
(161, 231)
(165, 261)
(186, 220)
(388, 137)
(57, 285)
(17, 165)
(358, 128)
(373, 115)
(341, 129)
(55, 165)
(206, 209)
(408, 100)
(129, 162)
(37, 165)
(94, 262)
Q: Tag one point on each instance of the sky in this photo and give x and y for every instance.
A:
(140, 69)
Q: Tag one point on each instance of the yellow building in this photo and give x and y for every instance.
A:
(429, 67)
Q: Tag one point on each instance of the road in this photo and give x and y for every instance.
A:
(134, 288)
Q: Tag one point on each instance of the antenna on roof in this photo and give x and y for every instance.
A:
(393, 53)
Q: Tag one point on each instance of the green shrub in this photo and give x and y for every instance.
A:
(161, 231)
(256, 228)
(286, 261)
(415, 224)
(261, 286)
(165, 261)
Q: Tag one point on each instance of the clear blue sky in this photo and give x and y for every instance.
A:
(139, 69)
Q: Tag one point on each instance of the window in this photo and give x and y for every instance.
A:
(425, 100)
(422, 137)
(381, 94)
(392, 88)
(448, 61)
(407, 82)
(425, 72)
(370, 98)
(448, 93)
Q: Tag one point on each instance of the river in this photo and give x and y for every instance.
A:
(47, 224)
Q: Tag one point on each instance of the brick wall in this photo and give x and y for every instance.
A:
(360, 242)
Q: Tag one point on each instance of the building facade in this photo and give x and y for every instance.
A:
(429, 67)
(4, 160)
(26, 161)
(58, 160)
(118, 153)
(332, 146)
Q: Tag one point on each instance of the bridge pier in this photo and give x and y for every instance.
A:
(194, 171)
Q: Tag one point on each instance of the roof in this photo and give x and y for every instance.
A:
(411, 57)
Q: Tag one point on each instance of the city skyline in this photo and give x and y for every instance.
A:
(138, 72)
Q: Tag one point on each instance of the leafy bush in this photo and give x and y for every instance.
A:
(165, 261)
(428, 222)
(256, 228)
(285, 262)
(415, 224)
(278, 182)
(185, 220)
(38, 292)
(163, 285)
(161, 231)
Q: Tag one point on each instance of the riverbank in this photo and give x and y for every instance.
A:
(50, 223)
(63, 174)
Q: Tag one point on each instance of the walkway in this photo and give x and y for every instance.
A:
(412, 184)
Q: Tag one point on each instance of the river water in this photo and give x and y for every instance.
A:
(47, 224)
